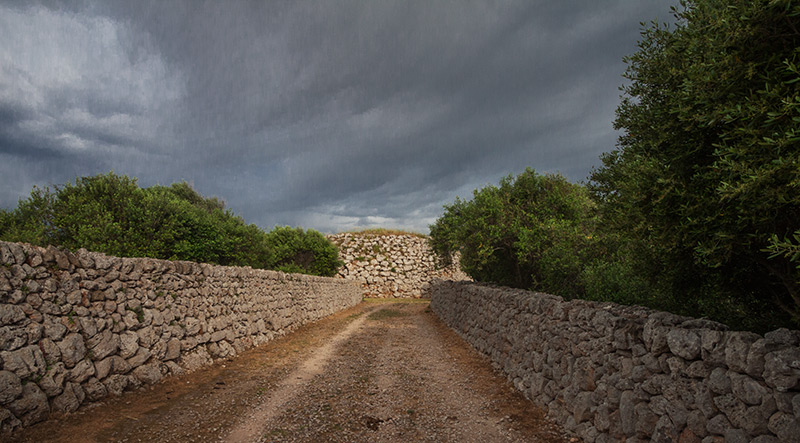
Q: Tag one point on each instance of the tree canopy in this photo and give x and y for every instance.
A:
(707, 171)
(697, 210)
(110, 213)
(527, 232)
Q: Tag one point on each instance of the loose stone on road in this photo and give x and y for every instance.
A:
(380, 371)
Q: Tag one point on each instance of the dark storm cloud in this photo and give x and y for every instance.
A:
(329, 115)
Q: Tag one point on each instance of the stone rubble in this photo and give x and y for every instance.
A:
(75, 328)
(609, 372)
(391, 265)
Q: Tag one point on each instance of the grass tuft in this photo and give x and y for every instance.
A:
(384, 231)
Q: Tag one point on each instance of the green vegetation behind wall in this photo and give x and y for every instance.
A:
(697, 210)
(110, 213)
(529, 232)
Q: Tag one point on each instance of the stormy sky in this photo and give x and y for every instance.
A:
(332, 115)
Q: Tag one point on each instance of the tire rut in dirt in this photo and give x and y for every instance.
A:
(396, 380)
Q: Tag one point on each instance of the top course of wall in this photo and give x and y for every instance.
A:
(391, 264)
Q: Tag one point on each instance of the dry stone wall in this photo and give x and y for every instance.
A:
(619, 373)
(391, 265)
(75, 328)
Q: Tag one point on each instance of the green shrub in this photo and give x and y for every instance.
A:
(706, 172)
(531, 231)
(698, 208)
(309, 252)
(110, 213)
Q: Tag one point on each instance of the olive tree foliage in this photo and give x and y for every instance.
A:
(296, 250)
(110, 213)
(531, 231)
(705, 182)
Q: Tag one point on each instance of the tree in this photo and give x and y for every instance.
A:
(110, 213)
(707, 171)
(308, 252)
(529, 232)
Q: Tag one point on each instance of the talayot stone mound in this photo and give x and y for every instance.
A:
(389, 264)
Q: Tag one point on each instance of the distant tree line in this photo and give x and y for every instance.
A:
(697, 210)
(110, 213)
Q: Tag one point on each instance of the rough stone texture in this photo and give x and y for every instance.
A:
(653, 375)
(391, 265)
(78, 327)
(10, 387)
(72, 349)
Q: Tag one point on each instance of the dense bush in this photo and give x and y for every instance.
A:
(698, 208)
(112, 214)
(295, 250)
(529, 232)
(707, 172)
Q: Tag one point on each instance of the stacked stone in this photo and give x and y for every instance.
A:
(391, 265)
(75, 328)
(610, 373)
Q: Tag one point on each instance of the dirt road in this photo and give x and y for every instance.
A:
(388, 372)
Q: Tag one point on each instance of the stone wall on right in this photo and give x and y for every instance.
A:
(609, 372)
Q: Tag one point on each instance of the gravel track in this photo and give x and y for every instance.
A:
(378, 372)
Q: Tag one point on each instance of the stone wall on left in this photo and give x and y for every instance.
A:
(75, 328)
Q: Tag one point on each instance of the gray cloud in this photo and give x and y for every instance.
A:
(330, 115)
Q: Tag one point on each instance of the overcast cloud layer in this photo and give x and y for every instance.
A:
(326, 115)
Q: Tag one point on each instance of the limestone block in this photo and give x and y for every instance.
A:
(104, 344)
(747, 390)
(698, 369)
(737, 348)
(713, 347)
(31, 407)
(128, 344)
(173, 349)
(24, 362)
(785, 427)
(684, 343)
(718, 424)
(646, 420)
(52, 383)
(12, 338)
(147, 336)
(17, 252)
(54, 331)
(627, 411)
(6, 256)
(782, 368)
(94, 389)
(783, 336)
(664, 430)
(10, 386)
(141, 356)
(116, 384)
(696, 422)
(736, 436)
(148, 374)
(196, 359)
(719, 381)
(70, 399)
(111, 365)
(11, 314)
(733, 408)
(82, 371)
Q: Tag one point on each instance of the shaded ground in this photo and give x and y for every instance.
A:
(377, 372)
